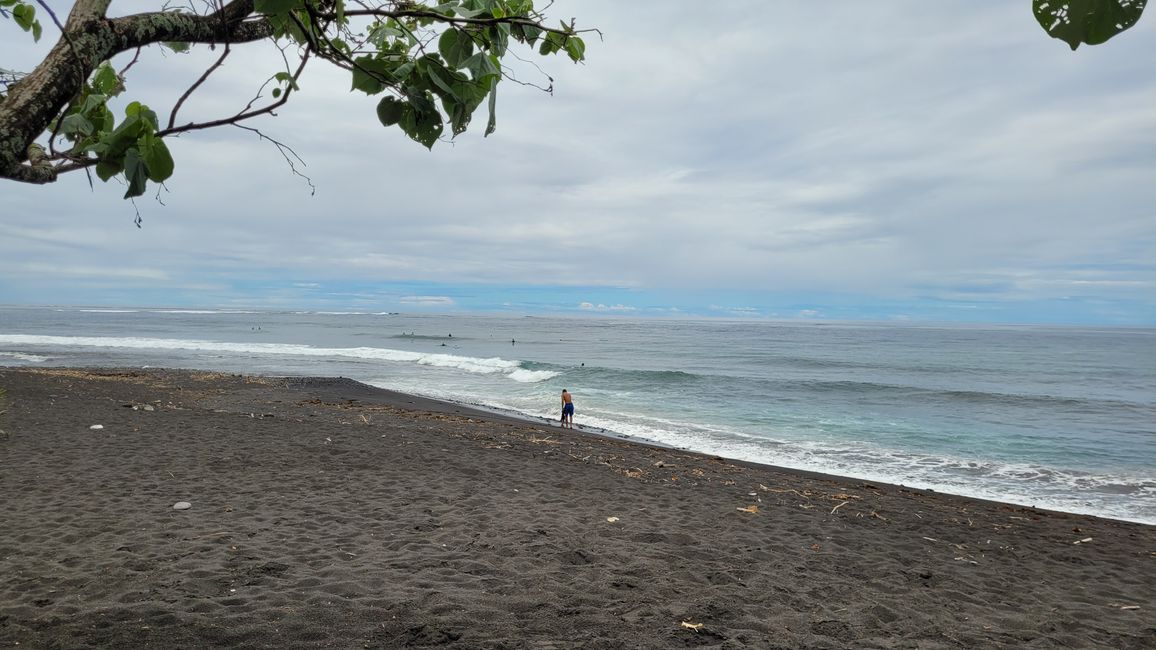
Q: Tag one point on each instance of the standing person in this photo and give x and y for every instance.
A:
(567, 410)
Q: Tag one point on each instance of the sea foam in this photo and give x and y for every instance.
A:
(476, 365)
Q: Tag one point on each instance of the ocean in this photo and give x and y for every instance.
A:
(1052, 417)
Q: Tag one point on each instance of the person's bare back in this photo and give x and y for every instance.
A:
(567, 409)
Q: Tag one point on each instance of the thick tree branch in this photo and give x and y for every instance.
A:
(455, 20)
(88, 40)
(163, 26)
(86, 10)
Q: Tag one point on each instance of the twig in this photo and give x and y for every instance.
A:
(283, 148)
(135, 58)
(839, 506)
(197, 84)
(267, 110)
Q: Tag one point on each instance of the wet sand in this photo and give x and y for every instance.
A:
(326, 513)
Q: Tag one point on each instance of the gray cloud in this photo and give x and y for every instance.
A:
(941, 150)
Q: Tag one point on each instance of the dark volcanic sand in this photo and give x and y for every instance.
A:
(326, 513)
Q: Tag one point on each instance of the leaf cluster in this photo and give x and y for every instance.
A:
(433, 63)
(131, 147)
(438, 62)
(24, 14)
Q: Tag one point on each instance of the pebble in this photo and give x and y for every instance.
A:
(182, 505)
(96, 427)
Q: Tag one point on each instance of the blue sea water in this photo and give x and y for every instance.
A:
(1055, 417)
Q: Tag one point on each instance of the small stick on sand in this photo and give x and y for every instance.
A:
(839, 506)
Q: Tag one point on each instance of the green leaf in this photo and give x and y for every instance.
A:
(421, 121)
(576, 48)
(1086, 21)
(422, 103)
(105, 79)
(156, 157)
(123, 136)
(436, 73)
(389, 111)
(103, 119)
(381, 33)
(455, 47)
(526, 33)
(466, 12)
(147, 116)
(370, 75)
(276, 93)
(135, 173)
(25, 17)
(92, 102)
(106, 169)
(499, 38)
(179, 48)
(482, 65)
(275, 7)
(76, 125)
(552, 43)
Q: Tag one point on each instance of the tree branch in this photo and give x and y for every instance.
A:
(455, 20)
(161, 26)
(285, 151)
(197, 84)
(244, 115)
(88, 39)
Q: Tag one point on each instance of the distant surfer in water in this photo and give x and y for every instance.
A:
(567, 410)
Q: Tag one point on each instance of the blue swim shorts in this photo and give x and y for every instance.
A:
(568, 409)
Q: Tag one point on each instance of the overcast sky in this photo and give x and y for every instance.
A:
(902, 160)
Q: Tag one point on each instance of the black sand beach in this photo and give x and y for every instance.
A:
(325, 513)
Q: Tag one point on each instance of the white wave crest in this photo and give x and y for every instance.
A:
(470, 364)
(200, 311)
(475, 365)
(532, 376)
(20, 356)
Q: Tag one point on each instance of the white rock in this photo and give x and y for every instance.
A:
(182, 505)
(96, 427)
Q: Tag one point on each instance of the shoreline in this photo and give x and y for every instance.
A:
(325, 511)
(484, 411)
(1025, 450)
(344, 387)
